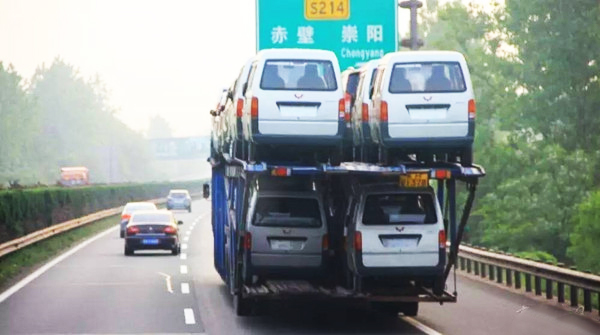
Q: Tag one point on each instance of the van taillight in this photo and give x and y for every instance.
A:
(239, 107)
(254, 108)
(442, 239)
(357, 241)
(472, 109)
(325, 243)
(247, 241)
(342, 108)
(132, 230)
(383, 110)
(365, 112)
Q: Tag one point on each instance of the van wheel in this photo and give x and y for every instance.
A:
(409, 308)
(251, 152)
(335, 158)
(383, 154)
(466, 158)
(439, 285)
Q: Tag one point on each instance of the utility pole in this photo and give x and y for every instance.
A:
(414, 43)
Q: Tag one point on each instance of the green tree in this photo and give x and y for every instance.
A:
(18, 120)
(558, 49)
(584, 240)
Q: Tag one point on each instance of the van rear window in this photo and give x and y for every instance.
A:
(298, 75)
(287, 212)
(429, 77)
(393, 209)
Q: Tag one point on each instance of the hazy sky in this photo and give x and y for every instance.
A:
(167, 57)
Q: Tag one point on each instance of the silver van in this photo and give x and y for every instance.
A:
(286, 234)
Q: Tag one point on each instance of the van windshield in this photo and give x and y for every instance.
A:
(303, 75)
(287, 212)
(427, 77)
(393, 209)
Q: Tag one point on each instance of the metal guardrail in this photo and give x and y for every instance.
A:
(21, 242)
(510, 270)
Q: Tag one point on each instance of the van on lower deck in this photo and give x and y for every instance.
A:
(394, 234)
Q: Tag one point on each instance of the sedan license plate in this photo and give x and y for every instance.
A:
(281, 245)
(150, 241)
(414, 180)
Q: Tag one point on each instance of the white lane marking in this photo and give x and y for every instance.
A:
(188, 232)
(188, 314)
(183, 269)
(183, 256)
(12, 290)
(168, 280)
(413, 322)
(185, 288)
(187, 238)
(184, 246)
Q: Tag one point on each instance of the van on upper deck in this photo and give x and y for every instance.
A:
(423, 104)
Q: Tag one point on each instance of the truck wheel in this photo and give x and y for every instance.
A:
(409, 308)
(336, 157)
(241, 306)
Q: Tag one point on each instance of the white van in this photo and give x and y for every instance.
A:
(361, 134)
(423, 104)
(395, 233)
(294, 104)
(233, 114)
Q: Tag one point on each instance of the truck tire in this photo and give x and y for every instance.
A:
(241, 306)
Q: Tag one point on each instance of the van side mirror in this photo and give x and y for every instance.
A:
(213, 112)
(229, 95)
(179, 222)
(244, 88)
(206, 191)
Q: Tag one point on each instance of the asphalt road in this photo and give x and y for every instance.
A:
(97, 290)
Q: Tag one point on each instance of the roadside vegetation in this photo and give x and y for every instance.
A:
(535, 67)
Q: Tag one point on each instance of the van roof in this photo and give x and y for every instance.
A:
(295, 54)
(422, 56)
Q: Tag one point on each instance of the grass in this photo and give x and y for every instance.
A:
(20, 263)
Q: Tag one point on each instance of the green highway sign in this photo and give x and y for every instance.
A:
(356, 30)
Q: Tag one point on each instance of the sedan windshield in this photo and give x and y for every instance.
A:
(287, 212)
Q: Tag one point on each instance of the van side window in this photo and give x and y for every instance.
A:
(379, 79)
(251, 76)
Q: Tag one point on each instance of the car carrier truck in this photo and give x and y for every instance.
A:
(257, 264)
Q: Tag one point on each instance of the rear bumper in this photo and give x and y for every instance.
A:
(164, 242)
(403, 272)
(293, 139)
(451, 143)
(303, 266)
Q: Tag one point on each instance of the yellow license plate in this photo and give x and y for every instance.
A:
(327, 9)
(411, 180)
